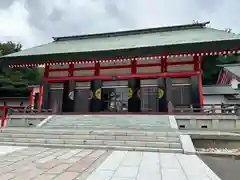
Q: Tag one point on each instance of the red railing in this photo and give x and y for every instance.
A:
(3, 115)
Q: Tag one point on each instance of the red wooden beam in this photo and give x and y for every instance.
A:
(123, 77)
(125, 66)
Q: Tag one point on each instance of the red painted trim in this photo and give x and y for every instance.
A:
(123, 66)
(134, 66)
(31, 96)
(123, 77)
(97, 69)
(40, 97)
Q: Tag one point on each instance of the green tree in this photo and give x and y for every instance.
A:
(15, 81)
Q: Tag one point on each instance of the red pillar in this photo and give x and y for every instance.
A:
(134, 66)
(163, 64)
(40, 97)
(3, 115)
(198, 69)
(46, 71)
(31, 96)
(97, 69)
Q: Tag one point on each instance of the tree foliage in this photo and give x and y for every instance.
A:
(15, 81)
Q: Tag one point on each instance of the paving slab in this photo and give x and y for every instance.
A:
(49, 163)
(122, 165)
(35, 163)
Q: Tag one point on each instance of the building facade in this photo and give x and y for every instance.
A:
(135, 71)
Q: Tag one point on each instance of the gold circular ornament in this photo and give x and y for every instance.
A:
(160, 93)
(130, 92)
(98, 93)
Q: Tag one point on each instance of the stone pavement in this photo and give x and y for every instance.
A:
(37, 163)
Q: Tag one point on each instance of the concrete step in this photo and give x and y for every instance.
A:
(121, 148)
(103, 138)
(82, 126)
(94, 142)
(90, 132)
(93, 137)
(110, 121)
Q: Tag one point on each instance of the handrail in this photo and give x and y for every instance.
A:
(206, 109)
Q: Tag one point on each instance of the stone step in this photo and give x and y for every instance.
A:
(90, 132)
(105, 127)
(92, 137)
(121, 148)
(94, 142)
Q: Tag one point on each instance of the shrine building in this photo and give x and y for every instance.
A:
(146, 70)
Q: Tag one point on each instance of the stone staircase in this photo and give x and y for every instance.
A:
(119, 132)
(127, 122)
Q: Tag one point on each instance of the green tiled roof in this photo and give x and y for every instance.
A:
(127, 40)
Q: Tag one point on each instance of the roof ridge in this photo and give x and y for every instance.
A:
(133, 32)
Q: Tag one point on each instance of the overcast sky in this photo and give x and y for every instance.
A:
(33, 22)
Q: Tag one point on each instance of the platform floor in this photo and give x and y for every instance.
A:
(79, 164)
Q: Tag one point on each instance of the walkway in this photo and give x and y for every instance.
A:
(38, 163)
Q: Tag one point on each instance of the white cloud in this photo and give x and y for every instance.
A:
(35, 22)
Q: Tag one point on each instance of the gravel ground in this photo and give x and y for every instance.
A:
(227, 168)
(217, 150)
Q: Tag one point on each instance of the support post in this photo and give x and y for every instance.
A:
(97, 69)
(40, 97)
(68, 96)
(198, 69)
(162, 95)
(134, 101)
(31, 96)
(46, 89)
(134, 66)
(96, 96)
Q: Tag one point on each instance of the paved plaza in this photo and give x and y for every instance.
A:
(37, 163)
